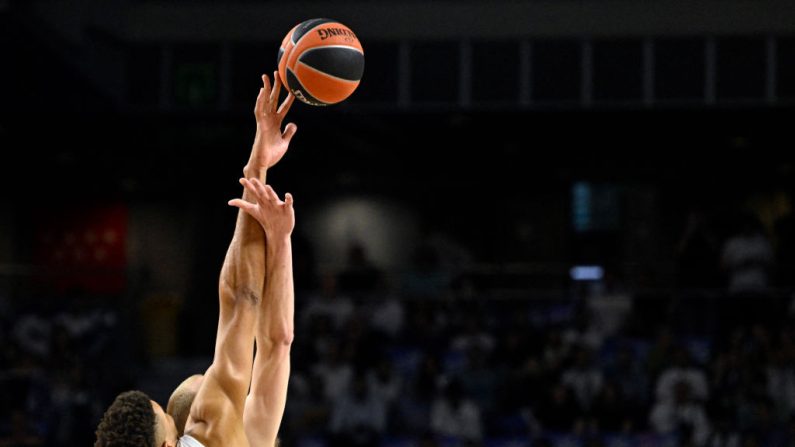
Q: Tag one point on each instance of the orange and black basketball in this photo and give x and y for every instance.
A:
(321, 61)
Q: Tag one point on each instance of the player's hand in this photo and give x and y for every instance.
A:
(277, 217)
(270, 143)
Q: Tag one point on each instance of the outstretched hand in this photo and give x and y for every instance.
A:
(277, 217)
(270, 143)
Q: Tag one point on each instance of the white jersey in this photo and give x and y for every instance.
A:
(188, 441)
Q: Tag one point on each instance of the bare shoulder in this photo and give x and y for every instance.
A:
(214, 419)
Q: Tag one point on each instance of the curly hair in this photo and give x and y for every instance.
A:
(128, 422)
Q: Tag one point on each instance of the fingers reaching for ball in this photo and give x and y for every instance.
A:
(274, 92)
(263, 195)
(275, 216)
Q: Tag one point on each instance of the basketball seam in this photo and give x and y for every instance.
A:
(332, 46)
(295, 44)
(304, 87)
(292, 34)
(323, 73)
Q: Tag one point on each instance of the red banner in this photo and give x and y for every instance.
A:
(84, 248)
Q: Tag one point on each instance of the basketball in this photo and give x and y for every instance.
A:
(321, 61)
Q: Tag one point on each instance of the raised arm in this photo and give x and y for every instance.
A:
(243, 271)
(266, 400)
(242, 275)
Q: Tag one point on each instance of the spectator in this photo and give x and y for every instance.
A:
(455, 415)
(328, 303)
(474, 335)
(321, 337)
(32, 334)
(608, 307)
(682, 371)
(583, 377)
(724, 434)
(747, 258)
(335, 372)
(583, 330)
(387, 315)
(681, 415)
(358, 417)
(385, 384)
(87, 323)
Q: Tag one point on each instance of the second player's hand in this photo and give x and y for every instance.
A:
(270, 143)
(277, 217)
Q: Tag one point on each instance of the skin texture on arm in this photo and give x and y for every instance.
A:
(266, 400)
(243, 272)
(216, 414)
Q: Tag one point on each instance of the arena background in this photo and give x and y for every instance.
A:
(536, 223)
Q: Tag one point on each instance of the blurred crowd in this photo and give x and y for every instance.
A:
(425, 358)
(437, 363)
(60, 360)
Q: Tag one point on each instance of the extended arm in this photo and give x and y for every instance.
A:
(265, 403)
(243, 272)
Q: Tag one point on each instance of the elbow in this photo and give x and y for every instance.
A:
(280, 330)
(282, 338)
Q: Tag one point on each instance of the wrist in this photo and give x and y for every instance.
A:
(252, 170)
(280, 242)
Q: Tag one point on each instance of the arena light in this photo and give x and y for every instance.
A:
(586, 273)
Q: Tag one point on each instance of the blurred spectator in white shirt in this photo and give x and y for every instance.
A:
(682, 371)
(681, 415)
(747, 258)
(358, 417)
(455, 415)
(583, 378)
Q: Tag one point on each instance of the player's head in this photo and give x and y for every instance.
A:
(134, 420)
(181, 399)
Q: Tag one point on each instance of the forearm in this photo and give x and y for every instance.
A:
(278, 305)
(243, 271)
(271, 374)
